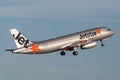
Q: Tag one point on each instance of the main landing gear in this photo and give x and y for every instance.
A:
(62, 53)
(75, 53)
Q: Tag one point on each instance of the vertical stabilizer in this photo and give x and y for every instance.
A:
(20, 40)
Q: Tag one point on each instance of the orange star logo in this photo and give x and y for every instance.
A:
(98, 31)
(34, 48)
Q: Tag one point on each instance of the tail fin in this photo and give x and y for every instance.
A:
(20, 40)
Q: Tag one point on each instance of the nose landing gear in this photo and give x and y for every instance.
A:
(102, 44)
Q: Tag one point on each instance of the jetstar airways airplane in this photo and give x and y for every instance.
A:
(85, 40)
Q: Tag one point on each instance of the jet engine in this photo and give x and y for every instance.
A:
(89, 45)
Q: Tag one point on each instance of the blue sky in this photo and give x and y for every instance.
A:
(44, 19)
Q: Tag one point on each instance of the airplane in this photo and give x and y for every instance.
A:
(84, 39)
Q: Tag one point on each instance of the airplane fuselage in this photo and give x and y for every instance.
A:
(65, 43)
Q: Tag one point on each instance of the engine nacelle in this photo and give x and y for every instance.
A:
(89, 45)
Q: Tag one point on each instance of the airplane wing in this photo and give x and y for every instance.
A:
(71, 46)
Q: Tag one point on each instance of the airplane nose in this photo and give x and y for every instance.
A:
(111, 32)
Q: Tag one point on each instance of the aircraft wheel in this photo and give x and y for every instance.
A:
(62, 53)
(75, 53)
(102, 45)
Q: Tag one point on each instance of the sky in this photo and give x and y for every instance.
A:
(43, 19)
